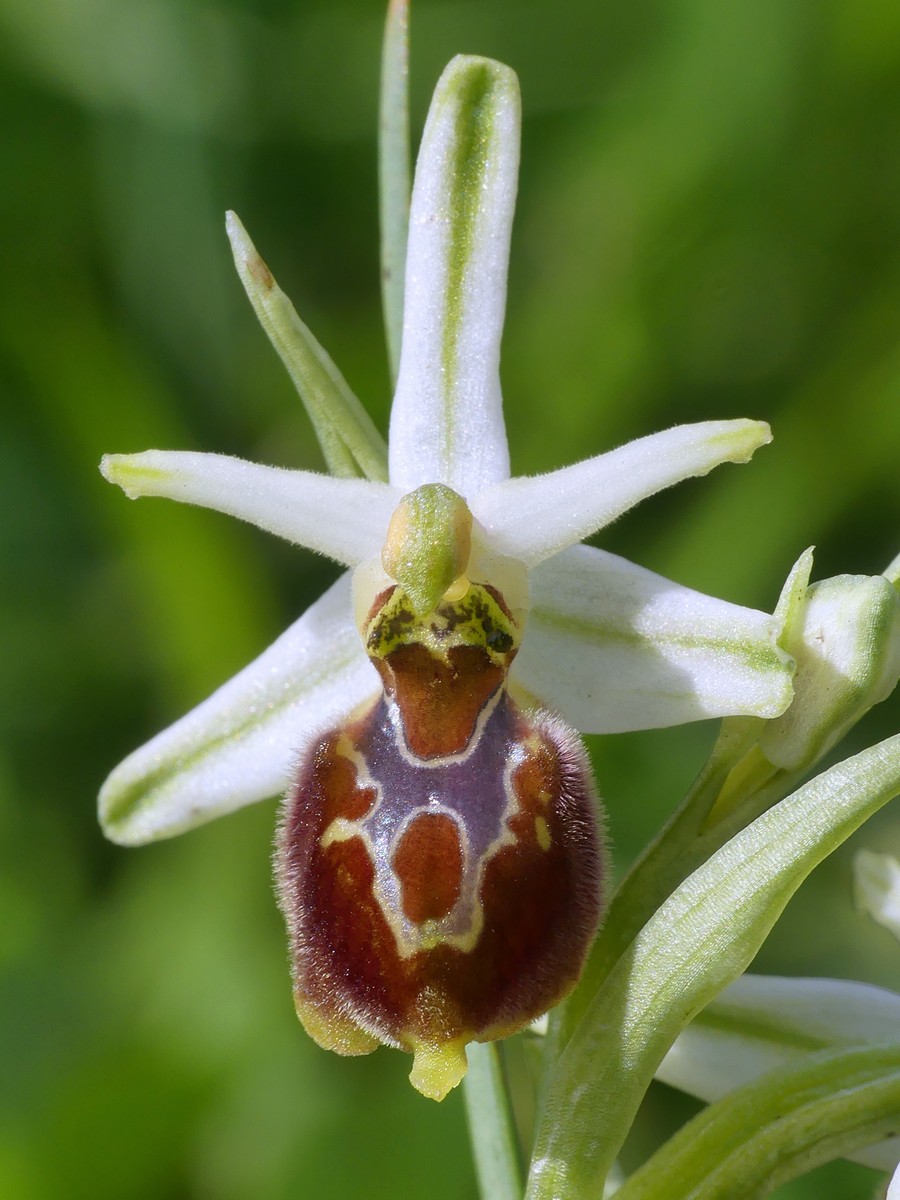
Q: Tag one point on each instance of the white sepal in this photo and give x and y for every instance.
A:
(344, 518)
(532, 518)
(614, 647)
(447, 420)
(241, 744)
(761, 1022)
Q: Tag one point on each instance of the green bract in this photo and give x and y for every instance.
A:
(762, 1023)
(785, 1027)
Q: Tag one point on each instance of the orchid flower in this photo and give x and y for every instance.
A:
(440, 863)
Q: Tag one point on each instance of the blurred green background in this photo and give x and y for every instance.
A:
(708, 227)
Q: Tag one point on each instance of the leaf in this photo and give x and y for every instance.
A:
(780, 1126)
(762, 1022)
(699, 940)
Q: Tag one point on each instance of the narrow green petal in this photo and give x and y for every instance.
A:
(350, 442)
(447, 420)
(699, 940)
(394, 173)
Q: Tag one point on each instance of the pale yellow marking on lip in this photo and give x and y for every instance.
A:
(340, 830)
(345, 748)
(333, 1030)
(542, 833)
(438, 1069)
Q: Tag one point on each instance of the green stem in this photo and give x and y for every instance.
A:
(491, 1128)
(394, 173)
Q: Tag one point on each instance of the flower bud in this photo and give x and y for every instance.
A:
(439, 859)
(845, 636)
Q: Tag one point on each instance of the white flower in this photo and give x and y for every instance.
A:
(440, 865)
(608, 645)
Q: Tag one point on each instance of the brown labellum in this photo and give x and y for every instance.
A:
(439, 861)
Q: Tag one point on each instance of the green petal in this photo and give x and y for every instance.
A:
(350, 442)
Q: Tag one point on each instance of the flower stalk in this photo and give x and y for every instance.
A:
(394, 174)
(491, 1129)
